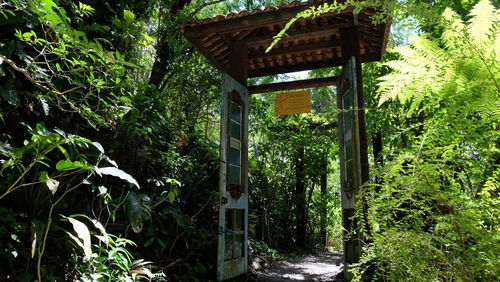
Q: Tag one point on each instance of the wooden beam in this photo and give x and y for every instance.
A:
(387, 30)
(250, 21)
(308, 66)
(350, 43)
(296, 49)
(294, 68)
(300, 34)
(292, 85)
(207, 55)
(238, 62)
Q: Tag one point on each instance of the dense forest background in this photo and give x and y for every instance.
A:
(109, 128)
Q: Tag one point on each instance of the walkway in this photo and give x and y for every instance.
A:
(323, 266)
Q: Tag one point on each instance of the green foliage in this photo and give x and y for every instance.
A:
(433, 213)
(110, 260)
(274, 203)
(138, 210)
(459, 69)
(85, 67)
(121, 73)
(34, 158)
(426, 225)
(65, 67)
(34, 168)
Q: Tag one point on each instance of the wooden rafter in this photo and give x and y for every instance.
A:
(249, 22)
(300, 34)
(308, 66)
(292, 85)
(296, 49)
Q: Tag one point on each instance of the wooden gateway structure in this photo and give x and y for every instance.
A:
(235, 44)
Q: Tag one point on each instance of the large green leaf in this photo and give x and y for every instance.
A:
(98, 146)
(52, 184)
(129, 17)
(137, 210)
(64, 165)
(83, 233)
(113, 171)
(37, 227)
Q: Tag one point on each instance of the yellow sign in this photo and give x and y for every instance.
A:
(289, 103)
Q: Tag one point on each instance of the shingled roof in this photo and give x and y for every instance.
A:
(311, 42)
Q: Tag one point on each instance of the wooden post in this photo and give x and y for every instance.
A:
(359, 148)
(324, 200)
(238, 62)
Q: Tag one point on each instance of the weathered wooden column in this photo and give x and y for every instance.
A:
(353, 141)
(324, 201)
(232, 251)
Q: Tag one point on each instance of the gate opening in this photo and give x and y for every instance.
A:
(235, 44)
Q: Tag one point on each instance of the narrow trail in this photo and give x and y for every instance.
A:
(322, 266)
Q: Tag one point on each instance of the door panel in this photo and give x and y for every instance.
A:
(347, 103)
(233, 187)
(350, 156)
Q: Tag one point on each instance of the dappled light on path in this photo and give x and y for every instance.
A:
(308, 267)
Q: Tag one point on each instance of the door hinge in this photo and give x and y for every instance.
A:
(223, 200)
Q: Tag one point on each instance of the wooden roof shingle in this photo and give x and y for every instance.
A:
(311, 42)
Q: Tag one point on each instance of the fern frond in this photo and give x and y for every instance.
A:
(429, 50)
(461, 73)
(483, 16)
(496, 39)
(137, 210)
(393, 85)
(489, 110)
(454, 30)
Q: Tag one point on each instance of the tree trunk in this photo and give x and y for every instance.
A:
(377, 152)
(300, 196)
(164, 52)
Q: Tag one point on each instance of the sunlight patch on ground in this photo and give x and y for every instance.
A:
(318, 267)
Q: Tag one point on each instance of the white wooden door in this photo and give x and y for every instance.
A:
(232, 255)
(350, 154)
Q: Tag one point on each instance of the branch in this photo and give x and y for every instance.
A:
(205, 4)
(38, 84)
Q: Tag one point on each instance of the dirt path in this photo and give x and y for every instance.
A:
(324, 266)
